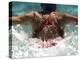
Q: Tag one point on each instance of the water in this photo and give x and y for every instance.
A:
(24, 46)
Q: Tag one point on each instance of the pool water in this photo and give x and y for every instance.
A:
(24, 46)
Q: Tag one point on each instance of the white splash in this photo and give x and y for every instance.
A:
(25, 46)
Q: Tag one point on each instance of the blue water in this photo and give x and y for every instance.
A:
(22, 7)
(19, 33)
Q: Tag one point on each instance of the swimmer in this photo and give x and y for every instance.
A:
(36, 18)
(47, 26)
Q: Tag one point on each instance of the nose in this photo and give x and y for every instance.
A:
(52, 14)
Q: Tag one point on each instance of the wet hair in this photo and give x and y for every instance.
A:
(47, 8)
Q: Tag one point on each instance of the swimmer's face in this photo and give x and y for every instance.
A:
(53, 16)
(56, 15)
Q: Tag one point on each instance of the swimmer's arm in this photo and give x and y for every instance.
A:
(71, 18)
(25, 17)
(20, 18)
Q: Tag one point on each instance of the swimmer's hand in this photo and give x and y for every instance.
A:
(71, 18)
